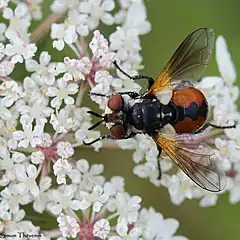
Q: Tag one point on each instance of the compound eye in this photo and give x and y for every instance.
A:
(115, 102)
(118, 131)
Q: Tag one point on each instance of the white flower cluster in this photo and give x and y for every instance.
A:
(42, 122)
(87, 207)
(106, 211)
(85, 16)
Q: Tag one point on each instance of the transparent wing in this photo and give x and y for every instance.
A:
(188, 62)
(197, 160)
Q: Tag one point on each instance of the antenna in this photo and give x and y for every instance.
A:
(97, 123)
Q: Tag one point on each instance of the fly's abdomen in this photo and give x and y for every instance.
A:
(192, 109)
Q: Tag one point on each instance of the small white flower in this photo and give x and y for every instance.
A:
(37, 157)
(124, 232)
(62, 122)
(27, 176)
(65, 149)
(208, 200)
(97, 10)
(83, 134)
(101, 228)
(5, 114)
(11, 198)
(63, 32)
(42, 70)
(7, 161)
(38, 111)
(63, 199)
(104, 81)
(68, 226)
(81, 116)
(4, 3)
(228, 150)
(127, 207)
(62, 5)
(34, 92)
(46, 140)
(90, 176)
(19, 21)
(77, 69)
(20, 50)
(126, 42)
(11, 92)
(61, 168)
(41, 199)
(62, 93)
(136, 18)
(6, 68)
(28, 135)
(100, 50)
(36, 11)
(96, 197)
(180, 187)
(156, 227)
(116, 184)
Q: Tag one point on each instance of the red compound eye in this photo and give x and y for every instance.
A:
(115, 102)
(118, 131)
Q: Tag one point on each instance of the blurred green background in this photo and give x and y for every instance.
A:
(171, 22)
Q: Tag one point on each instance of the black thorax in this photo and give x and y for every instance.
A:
(150, 115)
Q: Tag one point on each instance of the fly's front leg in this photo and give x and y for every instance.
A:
(108, 137)
(130, 94)
(98, 94)
(150, 79)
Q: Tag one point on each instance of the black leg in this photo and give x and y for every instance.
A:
(206, 125)
(99, 139)
(98, 94)
(158, 162)
(150, 79)
(108, 137)
(131, 94)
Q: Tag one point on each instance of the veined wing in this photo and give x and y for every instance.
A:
(188, 62)
(196, 160)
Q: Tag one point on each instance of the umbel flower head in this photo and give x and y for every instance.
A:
(43, 123)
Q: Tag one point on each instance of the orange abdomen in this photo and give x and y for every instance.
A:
(192, 109)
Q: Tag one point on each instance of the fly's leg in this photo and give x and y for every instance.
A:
(158, 163)
(150, 79)
(97, 94)
(205, 126)
(130, 93)
(108, 137)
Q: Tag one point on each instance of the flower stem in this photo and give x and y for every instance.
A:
(43, 28)
(81, 93)
(75, 50)
(112, 216)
